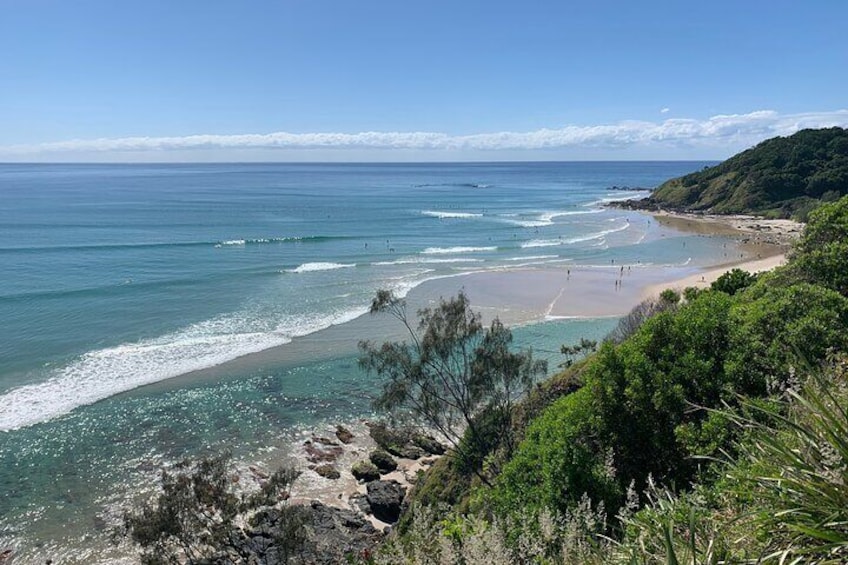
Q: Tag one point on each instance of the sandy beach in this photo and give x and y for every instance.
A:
(529, 295)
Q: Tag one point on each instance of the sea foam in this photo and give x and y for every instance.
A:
(102, 373)
(449, 250)
(320, 266)
(450, 215)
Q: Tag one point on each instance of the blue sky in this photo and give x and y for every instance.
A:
(391, 80)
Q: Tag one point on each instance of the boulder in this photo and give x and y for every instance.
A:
(328, 471)
(365, 471)
(344, 434)
(336, 536)
(359, 502)
(386, 500)
(320, 453)
(383, 461)
(429, 444)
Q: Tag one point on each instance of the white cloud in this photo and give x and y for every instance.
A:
(717, 132)
(665, 110)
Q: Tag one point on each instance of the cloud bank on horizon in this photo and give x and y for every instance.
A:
(718, 132)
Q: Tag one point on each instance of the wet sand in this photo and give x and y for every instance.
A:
(517, 297)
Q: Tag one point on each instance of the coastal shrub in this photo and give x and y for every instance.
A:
(437, 535)
(774, 329)
(450, 372)
(633, 320)
(733, 281)
(631, 419)
(557, 463)
(821, 255)
(784, 498)
(199, 517)
(794, 464)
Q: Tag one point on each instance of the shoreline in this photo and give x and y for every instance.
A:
(758, 256)
(530, 294)
(521, 296)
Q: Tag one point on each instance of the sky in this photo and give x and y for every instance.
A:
(340, 80)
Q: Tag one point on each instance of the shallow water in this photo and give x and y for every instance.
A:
(227, 277)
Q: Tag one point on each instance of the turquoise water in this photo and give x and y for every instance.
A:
(118, 278)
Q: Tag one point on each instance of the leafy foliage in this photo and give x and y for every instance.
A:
(822, 253)
(456, 375)
(780, 176)
(733, 281)
(691, 410)
(199, 516)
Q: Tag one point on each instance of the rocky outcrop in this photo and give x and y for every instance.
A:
(328, 471)
(385, 498)
(345, 435)
(383, 461)
(365, 471)
(336, 534)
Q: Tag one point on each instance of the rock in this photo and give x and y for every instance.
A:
(6, 556)
(384, 462)
(336, 536)
(410, 451)
(359, 502)
(324, 440)
(328, 471)
(385, 499)
(390, 440)
(258, 473)
(365, 471)
(344, 434)
(316, 453)
(428, 444)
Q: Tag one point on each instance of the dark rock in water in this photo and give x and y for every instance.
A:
(384, 462)
(365, 471)
(360, 502)
(328, 471)
(386, 500)
(344, 434)
(6, 556)
(429, 444)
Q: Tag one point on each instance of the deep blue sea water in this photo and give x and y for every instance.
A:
(119, 276)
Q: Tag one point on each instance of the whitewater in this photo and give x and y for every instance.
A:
(150, 312)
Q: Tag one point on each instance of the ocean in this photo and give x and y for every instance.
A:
(154, 312)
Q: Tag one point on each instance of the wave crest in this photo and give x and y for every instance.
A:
(320, 266)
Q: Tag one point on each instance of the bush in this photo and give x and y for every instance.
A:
(733, 281)
(199, 517)
(821, 256)
(774, 329)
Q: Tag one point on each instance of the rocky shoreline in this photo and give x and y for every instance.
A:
(354, 484)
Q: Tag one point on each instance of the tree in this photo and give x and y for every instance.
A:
(821, 256)
(572, 352)
(199, 517)
(733, 281)
(454, 374)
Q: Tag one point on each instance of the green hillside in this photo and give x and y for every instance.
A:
(780, 177)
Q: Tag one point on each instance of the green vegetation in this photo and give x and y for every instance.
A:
(780, 177)
(454, 375)
(200, 517)
(709, 428)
